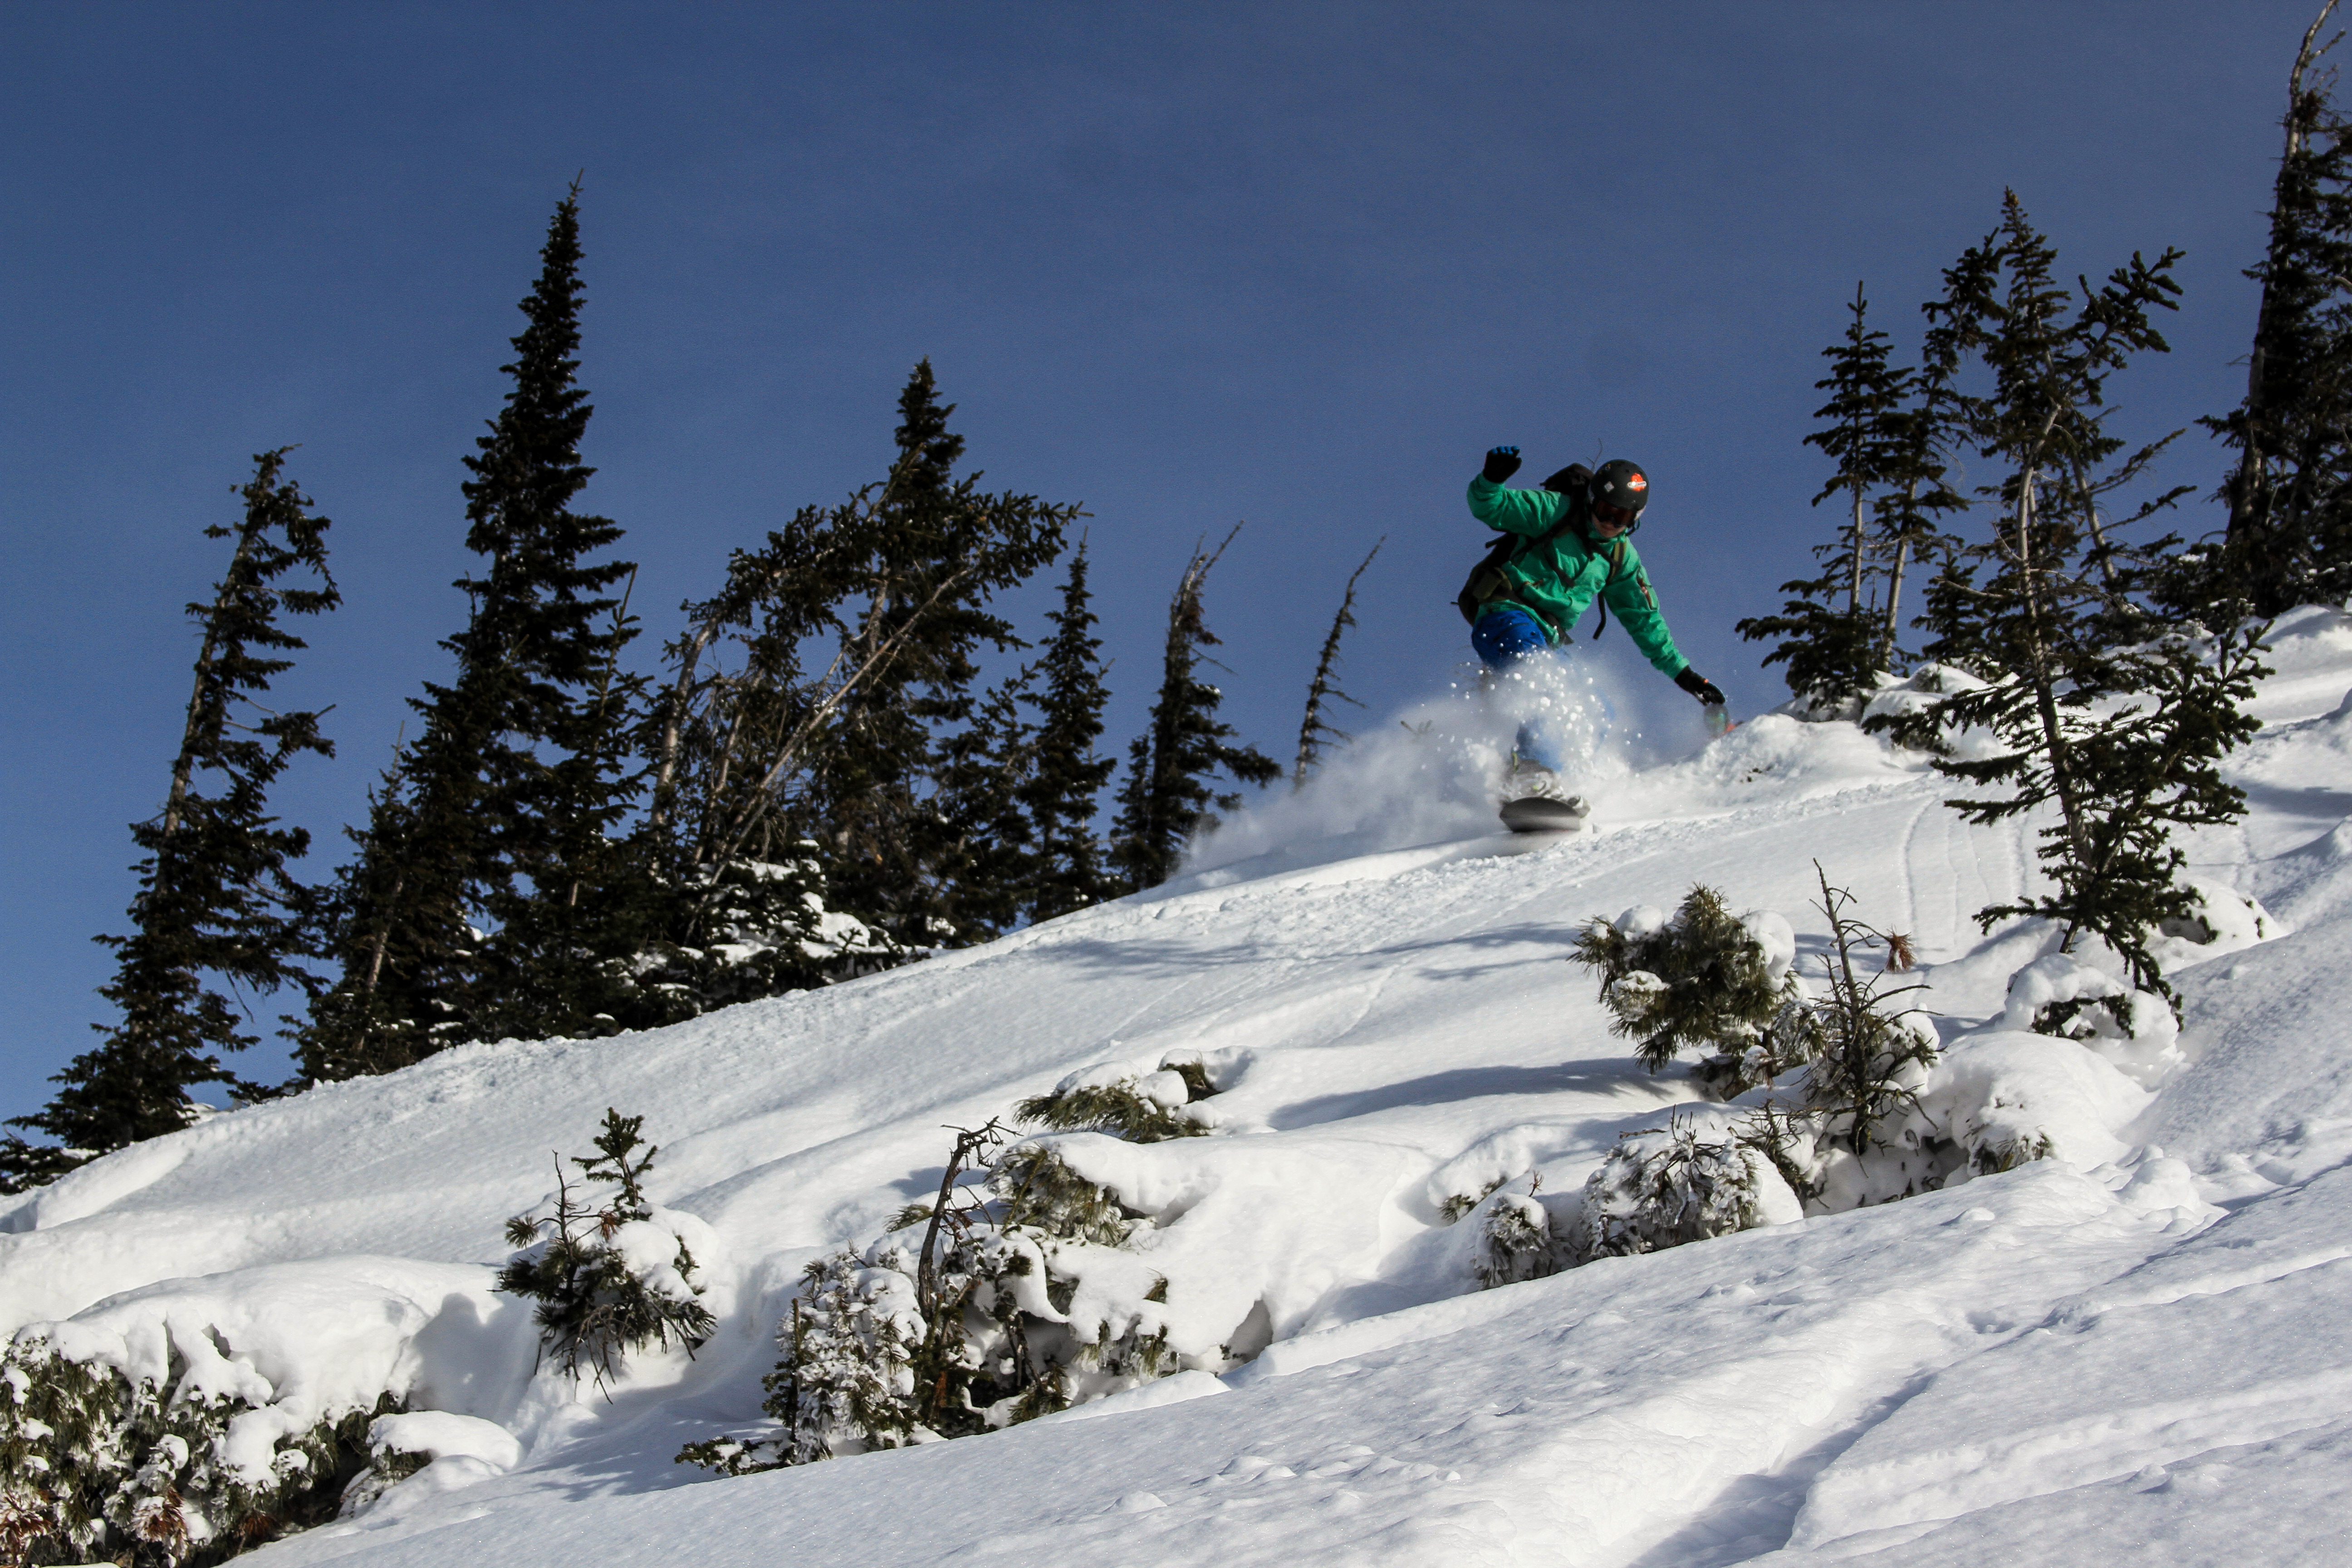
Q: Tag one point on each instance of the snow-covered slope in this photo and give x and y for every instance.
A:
(2034, 1366)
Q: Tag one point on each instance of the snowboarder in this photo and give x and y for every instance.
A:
(1565, 543)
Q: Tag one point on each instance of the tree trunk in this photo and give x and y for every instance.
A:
(2045, 697)
(1853, 581)
(202, 716)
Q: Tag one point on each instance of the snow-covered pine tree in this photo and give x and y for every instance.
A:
(2109, 714)
(1316, 731)
(2289, 535)
(1829, 636)
(498, 812)
(1064, 786)
(1669, 1186)
(610, 1274)
(1142, 1108)
(1701, 978)
(1168, 794)
(218, 915)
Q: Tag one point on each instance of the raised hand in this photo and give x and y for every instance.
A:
(1501, 464)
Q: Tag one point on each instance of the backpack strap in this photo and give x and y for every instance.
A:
(1615, 555)
(1487, 580)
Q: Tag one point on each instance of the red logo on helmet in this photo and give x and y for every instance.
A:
(1636, 482)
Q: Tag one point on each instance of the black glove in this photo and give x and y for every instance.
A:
(1501, 464)
(1700, 687)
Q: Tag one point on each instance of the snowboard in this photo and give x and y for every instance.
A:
(1541, 813)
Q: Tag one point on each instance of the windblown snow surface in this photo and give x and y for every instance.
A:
(2138, 1352)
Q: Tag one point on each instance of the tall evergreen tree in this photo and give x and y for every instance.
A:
(1917, 442)
(1829, 636)
(985, 860)
(475, 905)
(931, 550)
(2289, 535)
(723, 739)
(875, 797)
(1063, 790)
(1169, 794)
(742, 905)
(2106, 715)
(1316, 731)
(218, 915)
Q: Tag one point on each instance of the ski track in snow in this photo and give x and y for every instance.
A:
(2036, 1366)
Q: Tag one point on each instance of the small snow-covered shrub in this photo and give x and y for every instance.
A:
(2084, 995)
(1705, 977)
(2219, 919)
(2058, 994)
(1037, 1187)
(97, 1462)
(1511, 1234)
(2001, 1099)
(1670, 1186)
(1458, 1204)
(1515, 1239)
(1114, 1097)
(1018, 1297)
(461, 1449)
(610, 1276)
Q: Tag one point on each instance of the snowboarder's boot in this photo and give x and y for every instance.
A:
(1535, 800)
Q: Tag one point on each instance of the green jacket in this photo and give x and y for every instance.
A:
(1555, 580)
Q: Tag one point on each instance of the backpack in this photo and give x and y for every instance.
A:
(1486, 580)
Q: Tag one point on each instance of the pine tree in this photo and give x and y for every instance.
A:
(484, 893)
(1881, 433)
(2289, 535)
(881, 786)
(2106, 713)
(1316, 731)
(610, 1276)
(1698, 979)
(985, 861)
(1917, 494)
(928, 551)
(1168, 796)
(722, 739)
(218, 915)
(1063, 788)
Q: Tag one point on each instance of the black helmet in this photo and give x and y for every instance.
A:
(1621, 484)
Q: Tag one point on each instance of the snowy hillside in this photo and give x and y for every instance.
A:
(2135, 1350)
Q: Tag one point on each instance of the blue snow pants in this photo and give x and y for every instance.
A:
(1502, 638)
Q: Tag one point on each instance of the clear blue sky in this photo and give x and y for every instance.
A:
(1292, 263)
